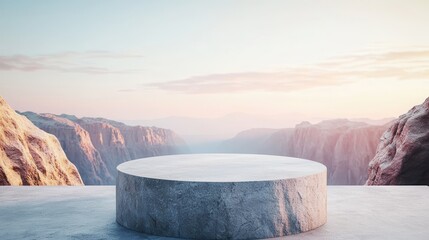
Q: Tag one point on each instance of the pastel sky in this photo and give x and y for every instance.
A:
(153, 59)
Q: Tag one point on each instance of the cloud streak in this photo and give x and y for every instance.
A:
(399, 65)
(292, 80)
(127, 90)
(90, 62)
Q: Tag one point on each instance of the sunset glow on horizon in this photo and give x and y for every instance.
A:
(145, 60)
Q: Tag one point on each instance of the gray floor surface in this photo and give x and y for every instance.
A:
(354, 212)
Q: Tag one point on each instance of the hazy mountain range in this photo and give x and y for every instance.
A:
(204, 134)
(344, 146)
(87, 150)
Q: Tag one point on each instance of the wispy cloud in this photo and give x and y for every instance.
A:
(127, 90)
(91, 62)
(294, 79)
(400, 65)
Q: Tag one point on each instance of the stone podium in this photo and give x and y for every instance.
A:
(221, 196)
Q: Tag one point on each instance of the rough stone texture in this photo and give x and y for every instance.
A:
(30, 156)
(175, 196)
(77, 145)
(149, 141)
(403, 153)
(96, 145)
(344, 147)
(108, 141)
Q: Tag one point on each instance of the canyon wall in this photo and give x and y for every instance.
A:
(345, 147)
(30, 156)
(96, 145)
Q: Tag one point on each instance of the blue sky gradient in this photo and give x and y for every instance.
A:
(150, 59)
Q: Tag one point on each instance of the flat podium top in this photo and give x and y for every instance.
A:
(221, 167)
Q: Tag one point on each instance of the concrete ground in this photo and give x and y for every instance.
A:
(354, 212)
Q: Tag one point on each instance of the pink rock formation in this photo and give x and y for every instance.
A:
(109, 142)
(146, 141)
(77, 145)
(30, 156)
(352, 153)
(98, 145)
(118, 142)
(345, 147)
(403, 154)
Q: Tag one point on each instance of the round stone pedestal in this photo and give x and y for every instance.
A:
(221, 196)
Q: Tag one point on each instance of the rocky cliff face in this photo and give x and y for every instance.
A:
(352, 153)
(98, 145)
(145, 141)
(108, 141)
(403, 154)
(30, 156)
(77, 145)
(345, 147)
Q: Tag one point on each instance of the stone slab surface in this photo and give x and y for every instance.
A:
(221, 167)
(221, 196)
(354, 212)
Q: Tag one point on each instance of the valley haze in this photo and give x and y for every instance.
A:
(202, 134)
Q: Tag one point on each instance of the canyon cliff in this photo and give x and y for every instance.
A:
(96, 145)
(30, 156)
(403, 154)
(77, 145)
(344, 146)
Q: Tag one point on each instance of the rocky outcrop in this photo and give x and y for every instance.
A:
(108, 141)
(30, 156)
(77, 145)
(352, 153)
(403, 154)
(345, 147)
(98, 145)
(145, 141)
